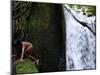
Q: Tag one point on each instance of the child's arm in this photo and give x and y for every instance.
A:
(22, 54)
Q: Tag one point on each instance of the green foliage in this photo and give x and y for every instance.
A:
(26, 67)
(90, 10)
(86, 9)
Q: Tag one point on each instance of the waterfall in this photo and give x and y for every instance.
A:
(80, 41)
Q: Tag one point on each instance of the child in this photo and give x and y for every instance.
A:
(26, 48)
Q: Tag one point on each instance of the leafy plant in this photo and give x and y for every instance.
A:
(86, 9)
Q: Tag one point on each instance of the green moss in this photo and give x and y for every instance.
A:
(26, 67)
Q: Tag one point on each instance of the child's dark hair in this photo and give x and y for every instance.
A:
(16, 38)
(16, 42)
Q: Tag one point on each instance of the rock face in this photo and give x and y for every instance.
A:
(42, 25)
(80, 45)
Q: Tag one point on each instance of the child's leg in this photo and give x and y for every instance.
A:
(28, 53)
(36, 60)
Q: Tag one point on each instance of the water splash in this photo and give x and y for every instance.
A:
(80, 45)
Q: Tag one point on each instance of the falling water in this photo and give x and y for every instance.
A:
(81, 42)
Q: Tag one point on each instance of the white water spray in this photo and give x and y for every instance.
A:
(80, 42)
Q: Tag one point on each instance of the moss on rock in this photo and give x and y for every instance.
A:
(26, 67)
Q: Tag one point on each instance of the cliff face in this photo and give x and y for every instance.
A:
(42, 24)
